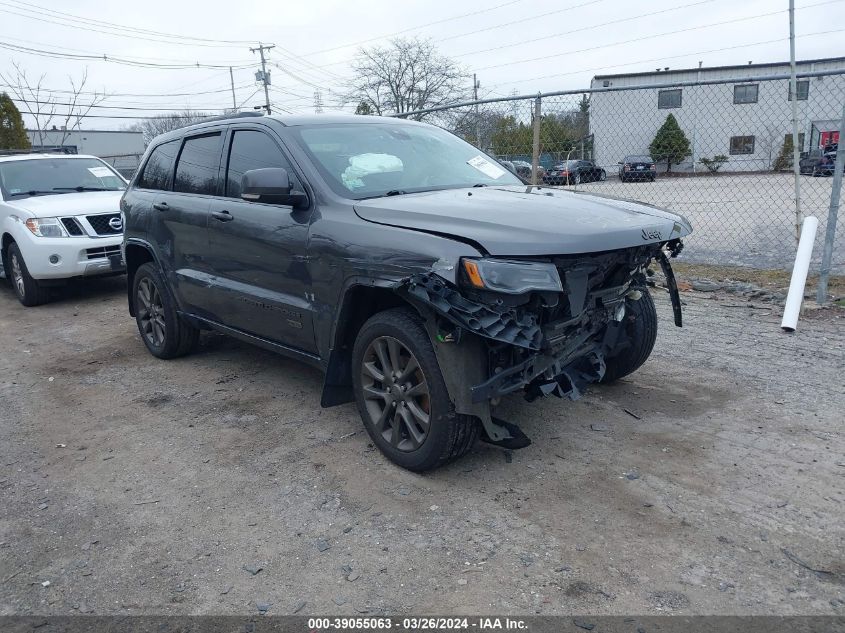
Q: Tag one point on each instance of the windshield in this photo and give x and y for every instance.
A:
(368, 160)
(45, 176)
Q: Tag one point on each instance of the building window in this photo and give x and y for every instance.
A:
(669, 99)
(788, 139)
(745, 93)
(742, 145)
(803, 88)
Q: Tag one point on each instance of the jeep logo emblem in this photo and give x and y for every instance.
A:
(116, 223)
(651, 235)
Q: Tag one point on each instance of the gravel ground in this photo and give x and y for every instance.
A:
(710, 482)
(741, 219)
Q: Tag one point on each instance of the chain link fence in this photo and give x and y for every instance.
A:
(125, 164)
(719, 152)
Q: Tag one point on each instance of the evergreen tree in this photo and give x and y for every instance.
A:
(670, 144)
(12, 131)
(364, 108)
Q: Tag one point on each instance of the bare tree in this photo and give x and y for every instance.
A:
(41, 104)
(405, 75)
(154, 126)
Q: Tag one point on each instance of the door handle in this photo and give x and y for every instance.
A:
(223, 216)
(160, 206)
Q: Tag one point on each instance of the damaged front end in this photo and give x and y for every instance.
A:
(545, 326)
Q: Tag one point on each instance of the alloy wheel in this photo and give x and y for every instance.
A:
(396, 394)
(17, 276)
(151, 312)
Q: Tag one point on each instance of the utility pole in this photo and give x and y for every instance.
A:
(232, 79)
(793, 93)
(475, 86)
(263, 76)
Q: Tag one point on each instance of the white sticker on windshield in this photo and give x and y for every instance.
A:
(486, 167)
(100, 172)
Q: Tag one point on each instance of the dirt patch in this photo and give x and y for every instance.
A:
(141, 486)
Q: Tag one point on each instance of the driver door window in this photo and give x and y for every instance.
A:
(252, 149)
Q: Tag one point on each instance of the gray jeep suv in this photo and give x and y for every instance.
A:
(425, 280)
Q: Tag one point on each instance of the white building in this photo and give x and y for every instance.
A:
(745, 117)
(121, 148)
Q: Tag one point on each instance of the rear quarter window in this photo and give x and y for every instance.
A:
(159, 167)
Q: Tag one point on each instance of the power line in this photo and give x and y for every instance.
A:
(114, 60)
(533, 40)
(113, 107)
(129, 32)
(136, 94)
(520, 21)
(661, 59)
(58, 49)
(650, 37)
(413, 28)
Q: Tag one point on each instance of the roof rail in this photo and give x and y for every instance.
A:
(235, 115)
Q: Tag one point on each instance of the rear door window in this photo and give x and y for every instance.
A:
(253, 149)
(157, 171)
(198, 165)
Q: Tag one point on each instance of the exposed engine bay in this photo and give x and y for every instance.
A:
(541, 342)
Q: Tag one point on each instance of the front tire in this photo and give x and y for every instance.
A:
(164, 332)
(402, 397)
(602, 175)
(641, 327)
(27, 289)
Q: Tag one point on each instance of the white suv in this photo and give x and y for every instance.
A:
(59, 218)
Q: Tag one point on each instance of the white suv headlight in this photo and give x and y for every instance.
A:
(46, 227)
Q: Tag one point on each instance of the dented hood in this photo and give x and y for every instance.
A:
(528, 220)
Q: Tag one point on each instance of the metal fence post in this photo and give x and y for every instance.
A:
(833, 212)
(535, 152)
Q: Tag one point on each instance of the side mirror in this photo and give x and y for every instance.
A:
(620, 163)
(271, 185)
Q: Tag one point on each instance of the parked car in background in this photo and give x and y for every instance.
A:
(59, 218)
(637, 167)
(423, 278)
(809, 160)
(574, 172)
(826, 165)
(524, 169)
(508, 165)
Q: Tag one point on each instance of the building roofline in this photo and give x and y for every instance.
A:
(50, 131)
(710, 68)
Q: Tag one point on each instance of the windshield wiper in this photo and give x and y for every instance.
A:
(480, 184)
(81, 188)
(395, 192)
(31, 192)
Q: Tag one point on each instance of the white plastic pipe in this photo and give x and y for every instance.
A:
(799, 274)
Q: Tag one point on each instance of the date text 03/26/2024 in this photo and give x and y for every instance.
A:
(415, 624)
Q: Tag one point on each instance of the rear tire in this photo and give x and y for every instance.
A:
(27, 289)
(164, 332)
(641, 326)
(395, 342)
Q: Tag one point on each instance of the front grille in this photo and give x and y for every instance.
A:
(100, 224)
(72, 226)
(101, 252)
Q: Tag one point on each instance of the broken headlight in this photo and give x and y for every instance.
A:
(511, 277)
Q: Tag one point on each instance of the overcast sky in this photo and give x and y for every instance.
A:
(513, 45)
